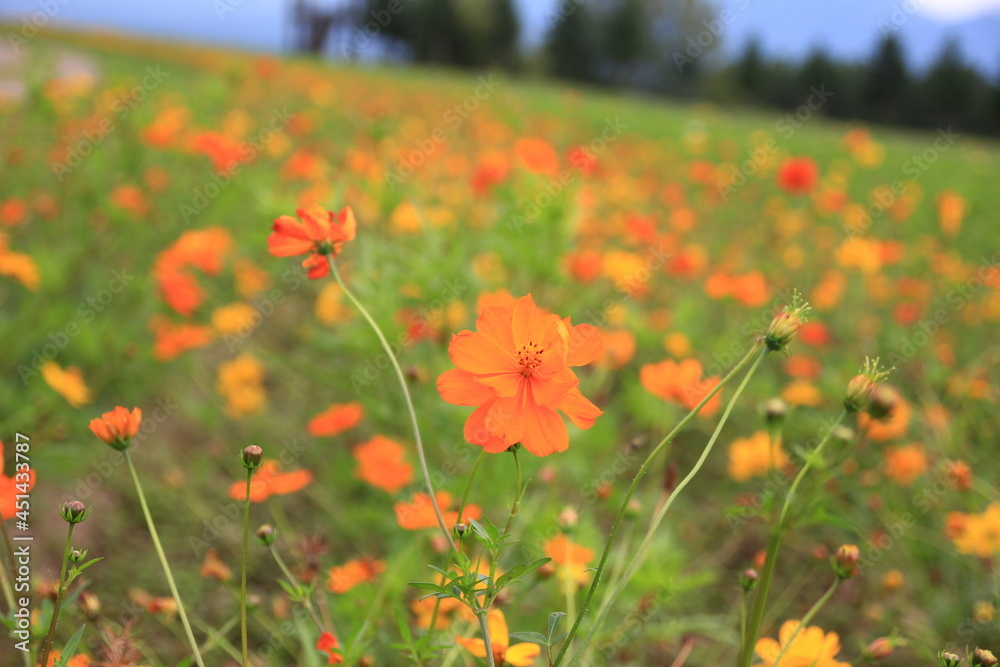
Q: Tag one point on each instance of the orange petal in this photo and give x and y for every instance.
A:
(460, 387)
(478, 354)
(584, 345)
(579, 410)
(544, 431)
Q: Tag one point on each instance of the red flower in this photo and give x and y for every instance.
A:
(329, 644)
(798, 175)
(319, 233)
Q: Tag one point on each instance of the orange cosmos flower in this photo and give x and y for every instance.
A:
(213, 568)
(67, 382)
(537, 156)
(811, 646)
(754, 456)
(118, 427)
(9, 488)
(573, 558)
(905, 464)
(419, 512)
(320, 233)
(680, 382)
(173, 340)
(343, 578)
(520, 655)
(19, 266)
(270, 481)
(336, 419)
(382, 463)
(517, 369)
(328, 644)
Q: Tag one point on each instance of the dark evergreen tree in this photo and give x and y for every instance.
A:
(887, 87)
(570, 45)
(750, 71)
(504, 33)
(949, 90)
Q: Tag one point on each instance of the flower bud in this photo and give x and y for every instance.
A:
(858, 396)
(266, 535)
(786, 324)
(74, 511)
(251, 457)
(946, 659)
(77, 555)
(748, 579)
(982, 657)
(460, 529)
(845, 561)
(878, 649)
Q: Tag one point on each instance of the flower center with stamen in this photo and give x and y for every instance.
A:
(529, 357)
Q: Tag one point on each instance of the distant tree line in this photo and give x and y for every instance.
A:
(668, 47)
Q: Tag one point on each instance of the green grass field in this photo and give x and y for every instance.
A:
(674, 229)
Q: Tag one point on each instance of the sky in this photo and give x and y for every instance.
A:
(789, 29)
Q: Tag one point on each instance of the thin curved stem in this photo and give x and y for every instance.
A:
(60, 595)
(406, 394)
(641, 552)
(485, 629)
(623, 508)
(808, 617)
(777, 533)
(163, 562)
(243, 572)
(293, 580)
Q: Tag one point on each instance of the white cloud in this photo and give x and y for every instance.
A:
(957, 10)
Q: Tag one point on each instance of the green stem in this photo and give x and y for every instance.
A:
(643, 549)
(305, 599)
(777, 532)
(60, 595)
(485, 629)
(807, 618)
(406, 395)
(163, 562)
(631, 490)
(243, 572)
(461, 512)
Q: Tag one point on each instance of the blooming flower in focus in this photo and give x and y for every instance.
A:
(9, 488)
(517, 369)
(810, 648)
(319, 233)
(270, 481)
(68, 383)
(118, 427)
(520, 655)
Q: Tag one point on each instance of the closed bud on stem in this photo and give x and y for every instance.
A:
(251, 457)
(878, 649)
(265, 535)
(786, 324)
(884, 401)
(858, 396)
(460, 529)
(982, 657)
(74, 511)
(77, 555)
(946, 659)
(845, 561)
(748, 579)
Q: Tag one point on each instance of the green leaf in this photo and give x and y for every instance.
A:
(555, 618)
(70, 649)
(533, 637)
(518, 570)
(427, 586)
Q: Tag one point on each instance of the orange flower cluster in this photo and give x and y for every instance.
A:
(269, 481)
(353, 573)
(419, 512)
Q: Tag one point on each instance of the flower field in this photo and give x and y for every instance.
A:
(468, 370)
